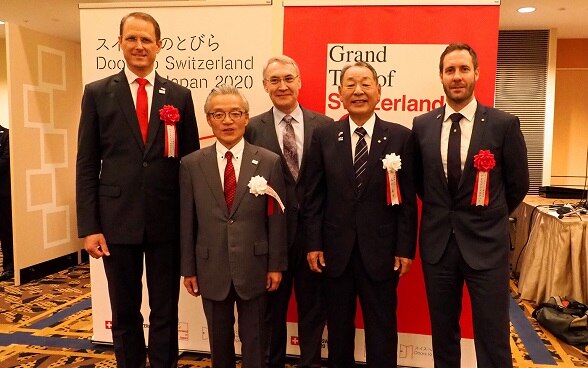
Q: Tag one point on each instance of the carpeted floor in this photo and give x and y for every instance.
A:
(48, 323)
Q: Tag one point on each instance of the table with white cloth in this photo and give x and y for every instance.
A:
(550, 253)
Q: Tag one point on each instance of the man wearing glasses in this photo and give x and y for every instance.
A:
(286, 129)
(233, 230)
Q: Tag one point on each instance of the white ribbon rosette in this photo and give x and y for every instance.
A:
(258, 186)
(392, 163)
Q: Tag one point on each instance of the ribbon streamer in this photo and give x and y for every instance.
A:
(171, 138)
(481, 196)
(392, 189)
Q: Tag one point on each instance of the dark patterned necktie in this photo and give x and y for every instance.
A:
(454, 154)
(361, 157)
(230, 180)
(289, 142)
(141, 108)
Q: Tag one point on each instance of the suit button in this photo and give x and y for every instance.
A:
(145, 164)
(231, 221)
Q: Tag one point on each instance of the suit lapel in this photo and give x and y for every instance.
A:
(435, 146)
(211, 172)
(270, 138)
(342, 139)
(249, 165)
(122, 93)
(308, 129)
(157, 102)
(475, 141)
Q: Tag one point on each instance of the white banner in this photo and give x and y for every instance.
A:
(203, 46)
(407, 73)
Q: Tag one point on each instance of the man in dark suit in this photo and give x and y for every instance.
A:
(361, 219)
(128, 193)
(233, 231)
(286, 129)
(471, 173)
(5, 208)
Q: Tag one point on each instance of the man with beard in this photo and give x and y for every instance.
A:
(471, 172)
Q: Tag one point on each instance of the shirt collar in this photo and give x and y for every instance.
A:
(132, 76)
(237, 149)
(368, 126)
(468, 111)
(296, 114)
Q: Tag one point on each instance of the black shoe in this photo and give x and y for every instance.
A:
(6, 275)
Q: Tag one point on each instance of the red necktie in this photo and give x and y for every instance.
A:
(230, 181)
(142, 113)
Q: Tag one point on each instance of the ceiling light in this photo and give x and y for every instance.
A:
(526, 9)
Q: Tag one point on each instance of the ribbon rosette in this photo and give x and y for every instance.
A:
(170, 116)
(392, 163)
(484, 162)
(258, 186)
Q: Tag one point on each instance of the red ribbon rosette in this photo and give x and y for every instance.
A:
(484, 161)
(170, 115)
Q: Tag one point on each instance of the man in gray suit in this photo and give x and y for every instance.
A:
(291, 140)
(233, 231)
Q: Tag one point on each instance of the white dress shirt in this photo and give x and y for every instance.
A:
(237, 152)
(467, 126)
(131, 78)
(369, 128)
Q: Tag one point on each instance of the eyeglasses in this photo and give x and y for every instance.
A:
(220, 115)
(287, 79)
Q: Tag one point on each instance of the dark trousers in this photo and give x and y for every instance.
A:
(220, 318)
(6, 233)
(124, 270)
(489, 293)
(378, 304)
(311, 313)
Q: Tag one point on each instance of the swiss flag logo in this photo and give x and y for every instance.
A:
(108, 325)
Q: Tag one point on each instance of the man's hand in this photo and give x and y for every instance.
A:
(95, 245)
(273, 281)
(191, 284)
(403, 264)
(316, 261)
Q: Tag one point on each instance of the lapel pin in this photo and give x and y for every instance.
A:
(254, 162)
(340, 139)
(162, 91)
(438, 116)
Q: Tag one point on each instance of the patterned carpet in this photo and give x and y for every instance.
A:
(48, 323)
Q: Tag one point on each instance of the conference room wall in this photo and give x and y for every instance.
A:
(44, 89)
(570, 125)
(3, 89)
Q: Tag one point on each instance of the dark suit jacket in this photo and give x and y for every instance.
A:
(4, 163)
(239, 247)
(125, 188)
(335, 214)
(261, 131)
(481, 232)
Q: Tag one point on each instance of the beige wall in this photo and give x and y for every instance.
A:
(3, 87)
(44, 87)
(570, 127)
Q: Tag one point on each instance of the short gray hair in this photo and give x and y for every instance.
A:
(282, 59)
(225, 89)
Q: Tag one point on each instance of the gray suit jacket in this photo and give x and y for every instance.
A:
(239, 247)
(261, 131)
